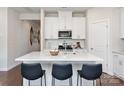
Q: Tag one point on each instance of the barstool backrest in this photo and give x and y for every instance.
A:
(91, 71)
(31, 71)
(62, 71)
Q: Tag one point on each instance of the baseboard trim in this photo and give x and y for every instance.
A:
(10, 67)
(3, 69)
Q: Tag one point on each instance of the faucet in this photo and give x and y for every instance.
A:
(65, 45)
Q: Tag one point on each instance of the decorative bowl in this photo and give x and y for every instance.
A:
(54, 52)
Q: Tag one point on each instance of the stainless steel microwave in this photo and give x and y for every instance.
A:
(64, 34)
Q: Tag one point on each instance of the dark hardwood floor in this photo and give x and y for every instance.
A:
(13, 78)
(108, 80)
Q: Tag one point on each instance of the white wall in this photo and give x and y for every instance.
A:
(30, 16)
(15, 36)
(19, 37)
(95, 14)
(14, 33)
(117, 43)
(3, 38)
(113, 15)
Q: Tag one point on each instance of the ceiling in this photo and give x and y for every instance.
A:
(48, 9)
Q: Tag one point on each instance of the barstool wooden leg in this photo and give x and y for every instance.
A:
(80, 81)
(77, 78)
(45, 79)
(53, 81)
(70, 81)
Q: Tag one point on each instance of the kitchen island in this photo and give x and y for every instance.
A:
(46, 60)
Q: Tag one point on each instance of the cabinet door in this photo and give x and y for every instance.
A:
(68, 20)
(61, 20)
(51, 28)
(78, 28)
(48, 28)
(116, 64)
(65, 20)
(55, 28)
(121, 66)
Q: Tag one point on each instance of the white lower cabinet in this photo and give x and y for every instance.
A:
(118, 65)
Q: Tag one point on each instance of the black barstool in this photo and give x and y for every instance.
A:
(90, 72)
(32, 72)
(62, 72)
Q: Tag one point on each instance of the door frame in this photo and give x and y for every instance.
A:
(90, 44)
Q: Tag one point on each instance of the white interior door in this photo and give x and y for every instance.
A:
(99, 38)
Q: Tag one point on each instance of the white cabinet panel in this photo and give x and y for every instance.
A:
(68, 20)
(118, 65)
(51, 28)
(62, 21)
(55, 28)
(48, 28)
(78, 28)
(115, 63)
(65, 20)
(121, 66)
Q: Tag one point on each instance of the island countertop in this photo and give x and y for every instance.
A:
(70, 57)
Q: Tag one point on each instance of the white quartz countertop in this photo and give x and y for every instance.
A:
(118, 51)
(43, 56)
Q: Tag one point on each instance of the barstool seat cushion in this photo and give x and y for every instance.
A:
(32, 71)
(62, 71)
(90, 71)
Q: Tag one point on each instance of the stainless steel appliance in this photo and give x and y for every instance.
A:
(65, 34)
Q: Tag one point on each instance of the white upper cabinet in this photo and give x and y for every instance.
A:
(51, 27)
(122, 23)
(65, 20)
(78, 28)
